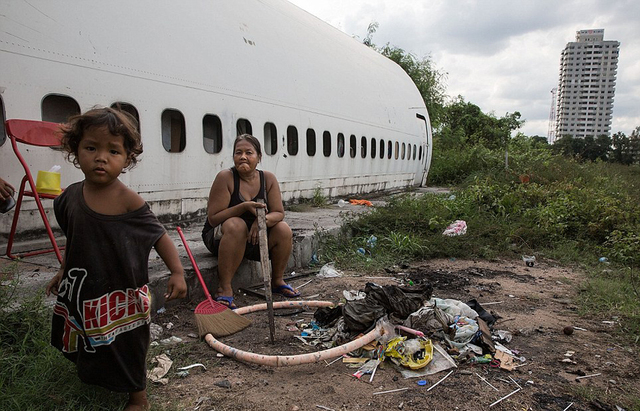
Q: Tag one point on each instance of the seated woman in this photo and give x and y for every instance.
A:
(230, 213)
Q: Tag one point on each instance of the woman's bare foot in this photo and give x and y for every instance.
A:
(138, 402)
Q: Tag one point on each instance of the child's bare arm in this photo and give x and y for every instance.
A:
(176, 287)
(54, 283)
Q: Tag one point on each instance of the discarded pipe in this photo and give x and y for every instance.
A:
(285, 360)
(488, 383)
(568, 406)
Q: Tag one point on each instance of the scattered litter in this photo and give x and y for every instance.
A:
(188, 367)
(182, 374)
(529, 260)
(161, 310)
(169, 325)
(171, 340)
(387, 392)
(223, 384)
(443, 378)
(164, 364)
(458, 227)
(422, 382)
(324, 408)
(361, 202)
(588, 376)
(568, 406)
(156, 331)
(302, 285)
(485, 380)
(354, 295)
(505, 397)
(328, 271)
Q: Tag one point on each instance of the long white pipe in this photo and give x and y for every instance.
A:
(284, 360)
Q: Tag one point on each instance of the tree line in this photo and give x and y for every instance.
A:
(458, 123)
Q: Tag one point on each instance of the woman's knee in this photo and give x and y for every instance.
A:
(235, 227)
(281, 232)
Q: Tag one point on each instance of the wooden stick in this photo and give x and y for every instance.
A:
(443, 378)
(266, 268)
(505, 397)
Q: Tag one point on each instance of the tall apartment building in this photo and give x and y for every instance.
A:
(587, 85)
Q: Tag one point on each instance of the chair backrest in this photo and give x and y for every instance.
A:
(35, 133)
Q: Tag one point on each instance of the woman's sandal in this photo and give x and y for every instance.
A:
(285, 290)
(228, 301)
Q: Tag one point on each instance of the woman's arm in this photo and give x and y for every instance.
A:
(218, 210)
(274, 200)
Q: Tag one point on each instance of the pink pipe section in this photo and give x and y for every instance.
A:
(285, 360)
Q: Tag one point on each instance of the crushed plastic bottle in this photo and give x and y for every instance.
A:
(604, 260)
(341, 203)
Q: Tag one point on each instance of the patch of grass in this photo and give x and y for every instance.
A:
(569, 212)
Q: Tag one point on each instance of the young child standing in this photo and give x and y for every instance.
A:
(102, 312)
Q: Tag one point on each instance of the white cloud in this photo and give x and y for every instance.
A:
(502, 55)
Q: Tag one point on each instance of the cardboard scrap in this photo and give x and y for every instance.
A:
(506, 360)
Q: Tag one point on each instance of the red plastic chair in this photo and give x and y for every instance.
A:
(41, 134)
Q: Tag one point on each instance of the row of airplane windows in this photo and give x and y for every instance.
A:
(58, 108)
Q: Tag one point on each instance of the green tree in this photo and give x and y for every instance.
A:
(428, 79)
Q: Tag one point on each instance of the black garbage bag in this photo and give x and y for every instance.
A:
(484, 314)
(360, 315)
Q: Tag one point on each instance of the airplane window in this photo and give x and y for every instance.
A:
(397, 150)
(243, 126)
(381, 148)
(403, 151)
(212, 133)
(420, 154)
(326, 143)
(414, 151)
(58, 108)
(352, 146)
(340, 145)
(128, 108)
(3, 118)
(311, 142)
(363, 147)
(373, 147)
(292, 140)
(173, 131)
(270, 139)
(389, 149)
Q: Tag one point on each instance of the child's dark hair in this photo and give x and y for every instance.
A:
(119, 123)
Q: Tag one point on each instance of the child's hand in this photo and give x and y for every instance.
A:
(176, 287)
(54, 283)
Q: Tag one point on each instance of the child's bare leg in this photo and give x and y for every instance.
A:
(138, 401)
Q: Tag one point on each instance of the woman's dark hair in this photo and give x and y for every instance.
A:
(119, 123)
(251, 139)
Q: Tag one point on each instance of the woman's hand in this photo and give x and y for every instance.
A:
(253, 206)
(254, 233)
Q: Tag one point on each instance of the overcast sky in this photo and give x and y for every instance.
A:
(501, 55)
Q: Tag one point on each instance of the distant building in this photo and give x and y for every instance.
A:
(587, 84)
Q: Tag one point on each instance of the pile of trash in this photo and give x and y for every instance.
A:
(423, 335)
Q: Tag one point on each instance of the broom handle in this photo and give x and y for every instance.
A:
(195, 267)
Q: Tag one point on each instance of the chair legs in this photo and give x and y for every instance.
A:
(43, 215)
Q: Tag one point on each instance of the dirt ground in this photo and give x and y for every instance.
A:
(533, 303)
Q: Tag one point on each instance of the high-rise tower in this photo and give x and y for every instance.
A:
(587, 85)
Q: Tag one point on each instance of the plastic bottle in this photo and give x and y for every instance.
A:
(341, 203)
